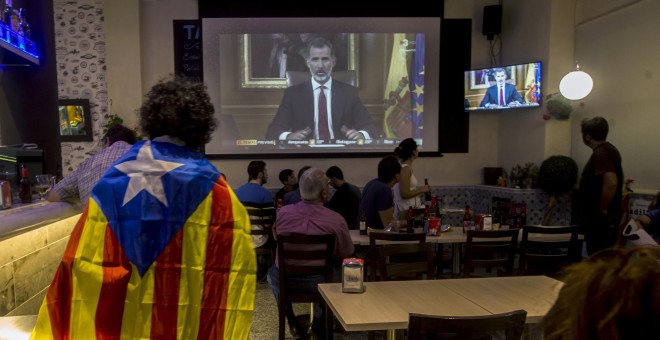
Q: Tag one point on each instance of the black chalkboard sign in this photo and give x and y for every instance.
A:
(188, 49)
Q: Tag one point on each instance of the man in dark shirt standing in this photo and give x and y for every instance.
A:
(377, 199)
(601, 186)
(346, 199)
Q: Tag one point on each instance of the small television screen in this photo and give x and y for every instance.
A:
(503, 87)
(385, 85)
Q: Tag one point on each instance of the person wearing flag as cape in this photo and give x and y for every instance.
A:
(162, 249)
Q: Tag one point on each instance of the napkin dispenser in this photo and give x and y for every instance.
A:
(352, 273)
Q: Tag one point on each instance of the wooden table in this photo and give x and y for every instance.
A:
(455, 237)
(387, 304)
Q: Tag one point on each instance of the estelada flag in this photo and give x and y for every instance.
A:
(162, 251)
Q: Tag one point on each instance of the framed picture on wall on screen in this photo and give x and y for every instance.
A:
(75, 122)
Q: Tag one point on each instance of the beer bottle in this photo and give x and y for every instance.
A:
(467, 219)
(25, 186)
(363, 222)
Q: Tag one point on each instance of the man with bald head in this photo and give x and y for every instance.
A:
(310, 217)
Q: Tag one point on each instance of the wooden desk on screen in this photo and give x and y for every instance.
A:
(387, 304)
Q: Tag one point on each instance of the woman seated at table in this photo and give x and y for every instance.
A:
(615, 294)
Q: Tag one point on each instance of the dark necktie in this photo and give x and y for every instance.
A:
(324, 132)
(502, 96)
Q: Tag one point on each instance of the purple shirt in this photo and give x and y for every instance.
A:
(79, 183)
(312, 218)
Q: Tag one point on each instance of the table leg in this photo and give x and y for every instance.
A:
(456, 257)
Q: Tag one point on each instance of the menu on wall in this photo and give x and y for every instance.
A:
(188, 49)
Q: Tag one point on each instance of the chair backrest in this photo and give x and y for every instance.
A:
(548, 256)
(297, 77)
(406, 256)
(511, 324)
(262, 218)
(498, 251)
(303, 256)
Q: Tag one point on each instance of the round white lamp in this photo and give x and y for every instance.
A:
(576, 84)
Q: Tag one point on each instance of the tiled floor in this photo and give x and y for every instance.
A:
(264, 321)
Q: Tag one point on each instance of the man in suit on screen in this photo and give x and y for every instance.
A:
(321, 108)
(501, 94)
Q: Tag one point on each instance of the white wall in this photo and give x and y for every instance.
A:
(532, 30)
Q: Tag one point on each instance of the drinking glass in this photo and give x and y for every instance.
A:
(42, 184)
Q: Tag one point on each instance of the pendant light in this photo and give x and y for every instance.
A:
(576, 84)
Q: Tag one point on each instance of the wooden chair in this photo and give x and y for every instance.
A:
(421, 326)
(262, 218)
(498, 252)
(303, 256)
(297, 77)
(397, 260)
(548, 257)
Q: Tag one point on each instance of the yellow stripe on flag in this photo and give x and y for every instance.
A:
(242, 278)
(88, 274)
(195, 240)
(136, 321)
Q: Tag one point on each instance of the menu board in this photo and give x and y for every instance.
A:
(188, 49)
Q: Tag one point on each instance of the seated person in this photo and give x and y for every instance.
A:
(322, 108)
(501, 94)
(346, 198)
(293, 196)
(310, 217)
(377, 198)
(612, 295)
(651, 220)
(290, 182)
(253, 191)
(78, 184)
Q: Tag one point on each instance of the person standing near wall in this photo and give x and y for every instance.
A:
(601, 185)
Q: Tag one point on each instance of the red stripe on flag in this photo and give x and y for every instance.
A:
(167, 279)
(218, 263)
(58, 297)
(116, 275)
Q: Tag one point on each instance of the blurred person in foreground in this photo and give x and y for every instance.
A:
(77, 185)
(162, 250)
(600, 188)
(310, 217)
(612, 295)
(346, 199)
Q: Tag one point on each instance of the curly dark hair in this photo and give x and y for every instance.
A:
(178, 108)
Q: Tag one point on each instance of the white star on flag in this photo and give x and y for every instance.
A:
(145, 173)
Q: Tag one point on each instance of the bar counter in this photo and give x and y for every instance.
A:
(32, 240)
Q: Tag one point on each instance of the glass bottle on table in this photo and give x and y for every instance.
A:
(410, 220)
(427, 195)
(25, 186)
(467, 219)
(363, 222)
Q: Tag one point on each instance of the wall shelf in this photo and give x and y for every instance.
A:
(18, 44)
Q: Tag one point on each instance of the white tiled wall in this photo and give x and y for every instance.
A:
(27, 265)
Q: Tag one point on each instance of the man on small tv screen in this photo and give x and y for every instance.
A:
(501, 94)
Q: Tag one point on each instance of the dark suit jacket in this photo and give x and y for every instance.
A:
(510, 95)
(296, 111)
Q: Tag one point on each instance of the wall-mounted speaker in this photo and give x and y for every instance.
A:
(492, 23)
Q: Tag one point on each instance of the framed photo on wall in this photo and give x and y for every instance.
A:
(266, 57)
(483, 79)
(75, 120)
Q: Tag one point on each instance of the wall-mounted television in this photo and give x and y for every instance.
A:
(396, 66)
(503, 87)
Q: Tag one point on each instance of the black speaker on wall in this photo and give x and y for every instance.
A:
(492, 24)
